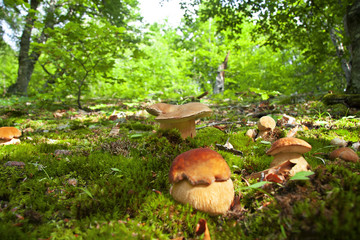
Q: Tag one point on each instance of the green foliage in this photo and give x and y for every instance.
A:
(8, 71)
(79, 53)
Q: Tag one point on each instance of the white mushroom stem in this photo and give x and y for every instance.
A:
(263, 132)
(214, 199)
(186, 128)
(9, 142)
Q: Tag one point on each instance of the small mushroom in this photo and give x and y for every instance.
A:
(9, 135)
(290, 149)
(201, 178)
(251, 133)
(181, 117)
(338, 142)
(344, 153)
(266, 124)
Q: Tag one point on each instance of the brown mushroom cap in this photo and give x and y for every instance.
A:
(201, 177)
(344, 153)
(184, 112)
(181, 117)
(266, 123)
(199, 166)
(8, 133)
(161, 108)
(289, 144)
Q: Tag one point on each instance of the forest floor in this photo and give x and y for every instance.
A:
(104, 174)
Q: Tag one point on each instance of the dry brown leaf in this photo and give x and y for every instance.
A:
(114, 131)
(292, 132)
(28, 130)
(282, 169)
(222, 128)
(59, 113)
(273, 177)
(202, 228)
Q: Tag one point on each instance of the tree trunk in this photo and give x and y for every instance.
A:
(26, 64)
(349, 100)
(28, 60)
(340, 51)
(219, 85)
(353, 23)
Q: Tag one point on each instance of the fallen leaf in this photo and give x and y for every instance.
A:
(222, 128)
(292, 132)
(156, 191)
(273, 177)
(62, 152)
(114, 131)
(202, 228)
(15, 164)
(282, 169)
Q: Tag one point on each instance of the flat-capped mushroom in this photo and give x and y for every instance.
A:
(9, 135)
(181, 117)
(290, 149)
(266, 124)
(201, 178)
(344, 153)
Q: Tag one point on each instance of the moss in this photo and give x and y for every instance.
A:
(136, 126)
(121, 187)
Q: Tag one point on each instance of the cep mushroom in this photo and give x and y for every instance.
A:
(290, 149)
(181, 117)
(344, 153)
(266, 124)
(201, 178)
(9, 135)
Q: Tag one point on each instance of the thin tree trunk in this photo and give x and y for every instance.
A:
(352, 25)
(219, 85)
(26, 64)
(27, 59)
(340, 51)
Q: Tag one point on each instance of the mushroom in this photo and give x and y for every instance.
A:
(338, 142)
(9, 135)
(181, 117)
(290, 149)
(266, 124)
(344, 153)
(201, 178)
(251, 133)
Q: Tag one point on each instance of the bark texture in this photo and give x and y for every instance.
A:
(219, 85)
(353, 27)
(28, 57)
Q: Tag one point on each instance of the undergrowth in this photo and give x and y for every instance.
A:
(80, 182)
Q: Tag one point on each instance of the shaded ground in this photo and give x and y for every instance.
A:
(93, 176)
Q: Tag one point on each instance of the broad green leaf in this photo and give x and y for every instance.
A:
(304, 175)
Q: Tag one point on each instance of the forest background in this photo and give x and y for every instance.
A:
(74, 49)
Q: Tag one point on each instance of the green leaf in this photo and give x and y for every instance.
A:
(302, 175)
(87, 192)
(256, 185)
(137, 135)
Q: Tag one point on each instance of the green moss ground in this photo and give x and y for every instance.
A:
(122, 188)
